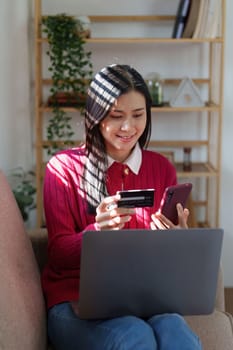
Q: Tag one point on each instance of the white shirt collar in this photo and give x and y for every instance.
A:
(133, 161)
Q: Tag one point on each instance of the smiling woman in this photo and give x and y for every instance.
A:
(81, 192)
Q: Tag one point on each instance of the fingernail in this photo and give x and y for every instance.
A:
(111, 206)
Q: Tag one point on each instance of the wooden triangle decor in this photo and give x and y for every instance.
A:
(187, 95)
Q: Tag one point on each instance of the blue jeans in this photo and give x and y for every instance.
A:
(161, 332)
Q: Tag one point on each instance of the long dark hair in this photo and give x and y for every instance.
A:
(110, 83)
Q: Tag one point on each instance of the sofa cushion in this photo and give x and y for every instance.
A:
(215, 330)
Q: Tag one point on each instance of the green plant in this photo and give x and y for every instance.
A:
(71, 70)
(23, 188)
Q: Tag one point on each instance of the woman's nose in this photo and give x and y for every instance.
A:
(125, 125)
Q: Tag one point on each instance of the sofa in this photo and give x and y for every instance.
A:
(23, 254)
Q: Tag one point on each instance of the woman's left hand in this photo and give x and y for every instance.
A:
(159, 221)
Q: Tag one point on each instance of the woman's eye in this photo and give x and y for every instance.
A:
(138, 115)
(115, 116)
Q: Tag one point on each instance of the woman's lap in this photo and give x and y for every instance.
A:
(161, 332)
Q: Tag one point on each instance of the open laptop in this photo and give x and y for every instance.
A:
(143, 272)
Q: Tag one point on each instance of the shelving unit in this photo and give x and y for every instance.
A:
(205, 172)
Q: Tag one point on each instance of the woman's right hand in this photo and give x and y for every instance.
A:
(110, 217)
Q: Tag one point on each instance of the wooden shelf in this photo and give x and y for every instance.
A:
(174, 81)
(48, 109)
(152, 40)
(211, 79)
(165, 108)
(198, 170)
(131, 18)
(178, 143)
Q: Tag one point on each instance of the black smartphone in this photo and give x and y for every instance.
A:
(136, 198)
(173, 195)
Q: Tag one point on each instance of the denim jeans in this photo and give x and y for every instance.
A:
(161, 332)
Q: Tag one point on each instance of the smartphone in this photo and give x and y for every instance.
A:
(136, 198)
(173, 195)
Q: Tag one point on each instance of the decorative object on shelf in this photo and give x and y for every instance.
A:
(187, 95)
(86, 25)
(187, 163)
(155, 86)
(71, 70)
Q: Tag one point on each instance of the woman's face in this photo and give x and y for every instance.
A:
(124, 125)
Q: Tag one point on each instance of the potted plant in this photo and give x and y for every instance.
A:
(71, 70)
(23, 187)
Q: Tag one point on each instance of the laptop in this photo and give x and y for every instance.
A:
(144, 272)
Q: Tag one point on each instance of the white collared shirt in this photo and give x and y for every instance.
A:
(133, 161)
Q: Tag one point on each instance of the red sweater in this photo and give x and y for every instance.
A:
(67, 217)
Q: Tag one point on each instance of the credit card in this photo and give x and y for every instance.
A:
(136, 198)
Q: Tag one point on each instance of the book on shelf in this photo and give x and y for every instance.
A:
(212, 19)
(201, 33)
(208, 19)
(181, 17)
(192, 19)
(200, 19)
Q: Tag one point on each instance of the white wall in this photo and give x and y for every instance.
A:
(16, 97)
(15, 115)
(226, 211)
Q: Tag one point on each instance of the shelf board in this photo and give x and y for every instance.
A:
(60, 143)
(127, 18)
(168, 81)
(136, 40)
(131, 18)
(46, 108)
(203, 203)
(203, 224)
(131, 40)
(163, 143)
(198, 170)
(178, 143)
(209, 107)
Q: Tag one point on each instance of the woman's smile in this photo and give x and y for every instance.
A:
(126, 138)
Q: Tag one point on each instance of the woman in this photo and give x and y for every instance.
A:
(80, 193)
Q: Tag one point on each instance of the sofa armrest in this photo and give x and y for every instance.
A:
(220, 297)
(39, 240)
(22, 307)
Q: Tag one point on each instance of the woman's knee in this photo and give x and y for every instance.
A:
(66, 330)
(134, 334)
(167, 320)
(172, 330)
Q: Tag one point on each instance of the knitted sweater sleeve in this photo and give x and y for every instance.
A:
(63, 211)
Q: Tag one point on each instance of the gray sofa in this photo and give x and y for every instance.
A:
(22, 308)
